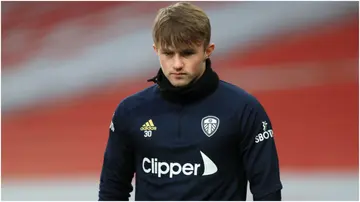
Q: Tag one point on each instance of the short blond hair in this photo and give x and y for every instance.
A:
(181, 24)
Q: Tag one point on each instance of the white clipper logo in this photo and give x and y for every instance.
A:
(210, 124)
(209, 166)
(172, 169)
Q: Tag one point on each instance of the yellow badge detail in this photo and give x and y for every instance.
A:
(149, 125)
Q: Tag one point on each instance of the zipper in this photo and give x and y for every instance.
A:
(180, 110)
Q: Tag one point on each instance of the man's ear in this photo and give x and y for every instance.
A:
(155, 49)
(209, 50)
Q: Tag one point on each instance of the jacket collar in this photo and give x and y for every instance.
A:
(194, 91)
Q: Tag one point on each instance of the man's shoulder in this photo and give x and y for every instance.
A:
(236, 93)
(137, 99)
(237, 96)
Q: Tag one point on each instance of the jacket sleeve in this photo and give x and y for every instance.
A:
(259, 154)
(118, 164)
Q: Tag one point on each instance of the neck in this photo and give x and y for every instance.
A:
(206, 83)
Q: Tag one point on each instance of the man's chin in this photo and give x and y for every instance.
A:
(179, 84)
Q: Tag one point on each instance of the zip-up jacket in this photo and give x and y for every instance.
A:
(208, 149)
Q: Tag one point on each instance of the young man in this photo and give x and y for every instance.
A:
(190, 136)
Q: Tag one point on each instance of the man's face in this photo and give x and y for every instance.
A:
(181, 66)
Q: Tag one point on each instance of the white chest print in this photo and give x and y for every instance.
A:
(209, 125)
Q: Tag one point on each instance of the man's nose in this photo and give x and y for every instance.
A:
(178, 63)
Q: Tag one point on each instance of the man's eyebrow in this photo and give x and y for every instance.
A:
(188, 50)
(166, 50)
(178, 50)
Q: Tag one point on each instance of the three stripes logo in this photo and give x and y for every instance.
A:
(149, 125)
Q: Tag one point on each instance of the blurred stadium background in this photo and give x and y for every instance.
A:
(66, 66)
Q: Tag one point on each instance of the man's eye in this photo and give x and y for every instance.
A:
(188, 53)
(167, 53)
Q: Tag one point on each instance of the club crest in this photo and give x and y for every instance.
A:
(210, 124)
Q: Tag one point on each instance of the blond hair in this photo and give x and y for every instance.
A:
(181, 24)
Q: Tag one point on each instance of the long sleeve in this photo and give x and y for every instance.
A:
(118, 165)
(259, 153)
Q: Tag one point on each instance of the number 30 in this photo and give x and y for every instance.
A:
(147, 133)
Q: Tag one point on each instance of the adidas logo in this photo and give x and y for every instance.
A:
(149, 125)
